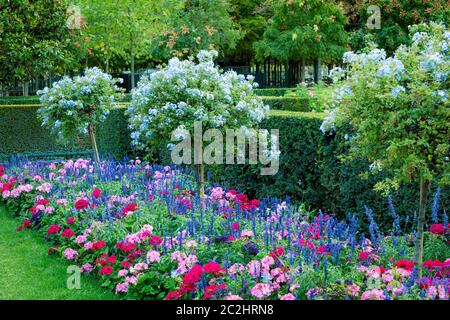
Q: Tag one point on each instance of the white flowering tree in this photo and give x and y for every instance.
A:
(399, 107)
(75, 106)
(184, 92)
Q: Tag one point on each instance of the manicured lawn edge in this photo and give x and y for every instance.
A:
(29, 273)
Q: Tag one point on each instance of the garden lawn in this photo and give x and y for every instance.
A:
(27, 272)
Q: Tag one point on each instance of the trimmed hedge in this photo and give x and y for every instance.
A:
(309, 171)
(288, 103)
(278, 92)
(21, 132)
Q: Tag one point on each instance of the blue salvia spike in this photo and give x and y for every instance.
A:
(435, 209)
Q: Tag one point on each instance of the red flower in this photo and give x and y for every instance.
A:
(68, 233)
(81, 204)
(430, 264)
(43, 202)
(111, 259)
(232, 191)
(155, 241)
(2, 170)
(213, 268)
(405, 264)
(53, 229)
(364, 256)
(71, 220)
(98, 245)
(125, 264)
(33, 211)
(106, 270)
(174, 295)
(437, 228)
(235, 226)
(278, 252)
(7, 186)
(193, 276)
(96, 193)
(129, 208)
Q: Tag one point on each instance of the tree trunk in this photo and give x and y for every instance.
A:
(302, 70)
(418, 254)
(317, 70)
(132, 59)
(201, 183)
(91, 129)
(25, 87)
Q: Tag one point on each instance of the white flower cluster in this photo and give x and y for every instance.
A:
(185, 92)
(427, 59)
(71, 104)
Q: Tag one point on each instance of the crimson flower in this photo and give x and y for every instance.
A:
(67, 233)
(106, 270)
(81, 204)
(53, 229)
(437, 228)
(96, 193)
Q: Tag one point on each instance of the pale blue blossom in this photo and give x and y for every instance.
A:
(396, 91)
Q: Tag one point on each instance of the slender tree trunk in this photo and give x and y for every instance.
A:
(201, 183)
(418, 254)
(317, 71)
(91, 129)
(132, 59)
(25, 88)
(302, 70)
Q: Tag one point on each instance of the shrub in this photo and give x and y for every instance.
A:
(73, 107)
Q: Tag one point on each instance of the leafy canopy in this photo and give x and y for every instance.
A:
(400, 107)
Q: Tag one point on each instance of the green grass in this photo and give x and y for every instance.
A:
(27, 272)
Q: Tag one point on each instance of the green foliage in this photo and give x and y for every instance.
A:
(198, 25)
(317, 97)
(34, 39)
(396, 17)
(22, 133)
(310, 29)
(288, 103)
(400, 108)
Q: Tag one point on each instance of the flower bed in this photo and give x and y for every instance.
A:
(140, 229)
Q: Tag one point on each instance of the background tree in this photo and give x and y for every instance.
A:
(400, 110)
(396, 16)
(251, 16)
(304, 30)
(125, 27)
(197, 25)
(34, 39)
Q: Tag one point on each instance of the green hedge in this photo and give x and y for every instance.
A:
(278, 92)
(21, 100)
(309, 167)
(288, 103)
(21, 132)
(310, 172)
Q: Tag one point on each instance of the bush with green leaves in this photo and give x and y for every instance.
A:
(399, 108)
(75, 106)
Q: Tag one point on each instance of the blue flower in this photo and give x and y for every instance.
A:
(396, 91)
(442, 94)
